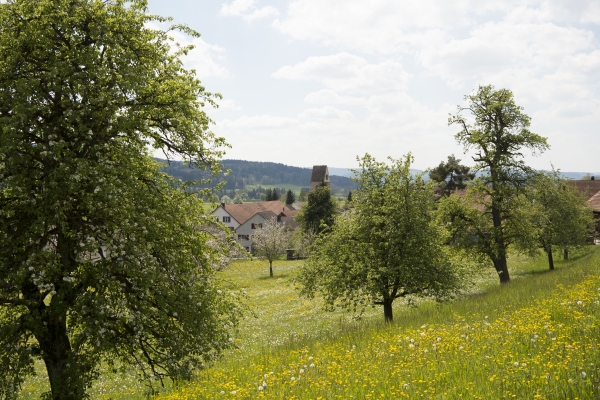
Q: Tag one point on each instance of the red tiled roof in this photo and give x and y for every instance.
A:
(588, 188)
(242, 212)
(594, 202)
(591, 190)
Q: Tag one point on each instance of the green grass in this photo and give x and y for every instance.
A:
(353, 358)
(294, 188)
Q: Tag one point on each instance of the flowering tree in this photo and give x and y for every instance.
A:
(103, 259)
(270, 241)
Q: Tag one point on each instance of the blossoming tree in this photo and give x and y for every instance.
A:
(103, 259)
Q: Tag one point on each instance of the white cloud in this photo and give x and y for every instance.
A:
(348, 73)
(228, 104)
(247, 10)
(327, 112)
(205, 58)
(237, 7)
(327, 96)
(258, 122)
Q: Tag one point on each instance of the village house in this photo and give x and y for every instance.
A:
(243, 219)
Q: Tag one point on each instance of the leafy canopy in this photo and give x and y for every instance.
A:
(498, 135)
(452, 175)
(320, 211)
(386, 247)
(103, 259)
(563, 218)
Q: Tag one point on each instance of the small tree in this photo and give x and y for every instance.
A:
(290, 197)
(303, 194)
(451, 175)
(270, 241)
(349, 198)
(563, 218)
(275, 194)
(320, 211)
(386, 248)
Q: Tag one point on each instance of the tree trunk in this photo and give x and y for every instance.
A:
(271, 268)
(63, 374)
(387, 311)
(566, 254)
(550, 259)
(499, 258)
(502, 269)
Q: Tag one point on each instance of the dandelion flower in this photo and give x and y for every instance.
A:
(583, 374)
(312, 365)
(233, 392)
(516, 364)
(293, 378)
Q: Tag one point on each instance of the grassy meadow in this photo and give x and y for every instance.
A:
(534, 338)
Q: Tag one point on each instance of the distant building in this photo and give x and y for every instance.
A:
(320, 176)
(243, 219)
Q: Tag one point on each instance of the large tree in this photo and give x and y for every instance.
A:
(562, 216)
(103, 259)
(387, 247)
(290, 197)
(451, 175)
(320, 211)
(498, 135)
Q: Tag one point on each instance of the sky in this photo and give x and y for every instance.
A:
(311, 82)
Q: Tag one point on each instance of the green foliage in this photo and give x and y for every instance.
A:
(451, 175)
(386, 248)
(272, 194)
(290, 197)
(303, 194)
(320, 212)
(469, 226)
(562, 216)
(245, 174)
(101, 255)
(498, 135)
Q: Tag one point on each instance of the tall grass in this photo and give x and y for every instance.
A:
(528, 339)
(534, 338)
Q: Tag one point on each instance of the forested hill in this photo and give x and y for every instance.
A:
(245, 173)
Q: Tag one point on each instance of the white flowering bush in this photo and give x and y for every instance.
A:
(102, 257)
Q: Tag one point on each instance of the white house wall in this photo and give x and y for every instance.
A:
(245, 230)
(220, 212)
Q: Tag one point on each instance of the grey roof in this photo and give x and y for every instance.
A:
(319, 173)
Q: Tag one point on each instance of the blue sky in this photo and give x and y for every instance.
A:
(309, 82)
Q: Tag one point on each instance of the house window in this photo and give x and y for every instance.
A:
(252, 226)
(226, 219)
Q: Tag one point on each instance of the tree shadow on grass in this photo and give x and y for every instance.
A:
(275, 276)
